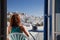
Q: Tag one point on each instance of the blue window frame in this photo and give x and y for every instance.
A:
(46, 20)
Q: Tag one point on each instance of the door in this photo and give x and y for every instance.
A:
(32, 16)
(44, 35)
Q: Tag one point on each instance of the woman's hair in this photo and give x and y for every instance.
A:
(15, 20)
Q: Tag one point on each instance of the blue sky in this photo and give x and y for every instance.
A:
(30, 7)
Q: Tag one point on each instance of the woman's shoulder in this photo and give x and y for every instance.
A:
(21, 26)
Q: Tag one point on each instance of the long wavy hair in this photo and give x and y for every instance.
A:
(15, 20)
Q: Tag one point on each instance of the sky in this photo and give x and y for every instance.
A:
(30, 7)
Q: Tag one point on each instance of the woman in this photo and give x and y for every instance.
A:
(15, 25)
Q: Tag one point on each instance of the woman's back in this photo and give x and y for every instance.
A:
(16, 29)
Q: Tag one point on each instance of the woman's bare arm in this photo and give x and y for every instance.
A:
(8, 31)
(24, 30)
